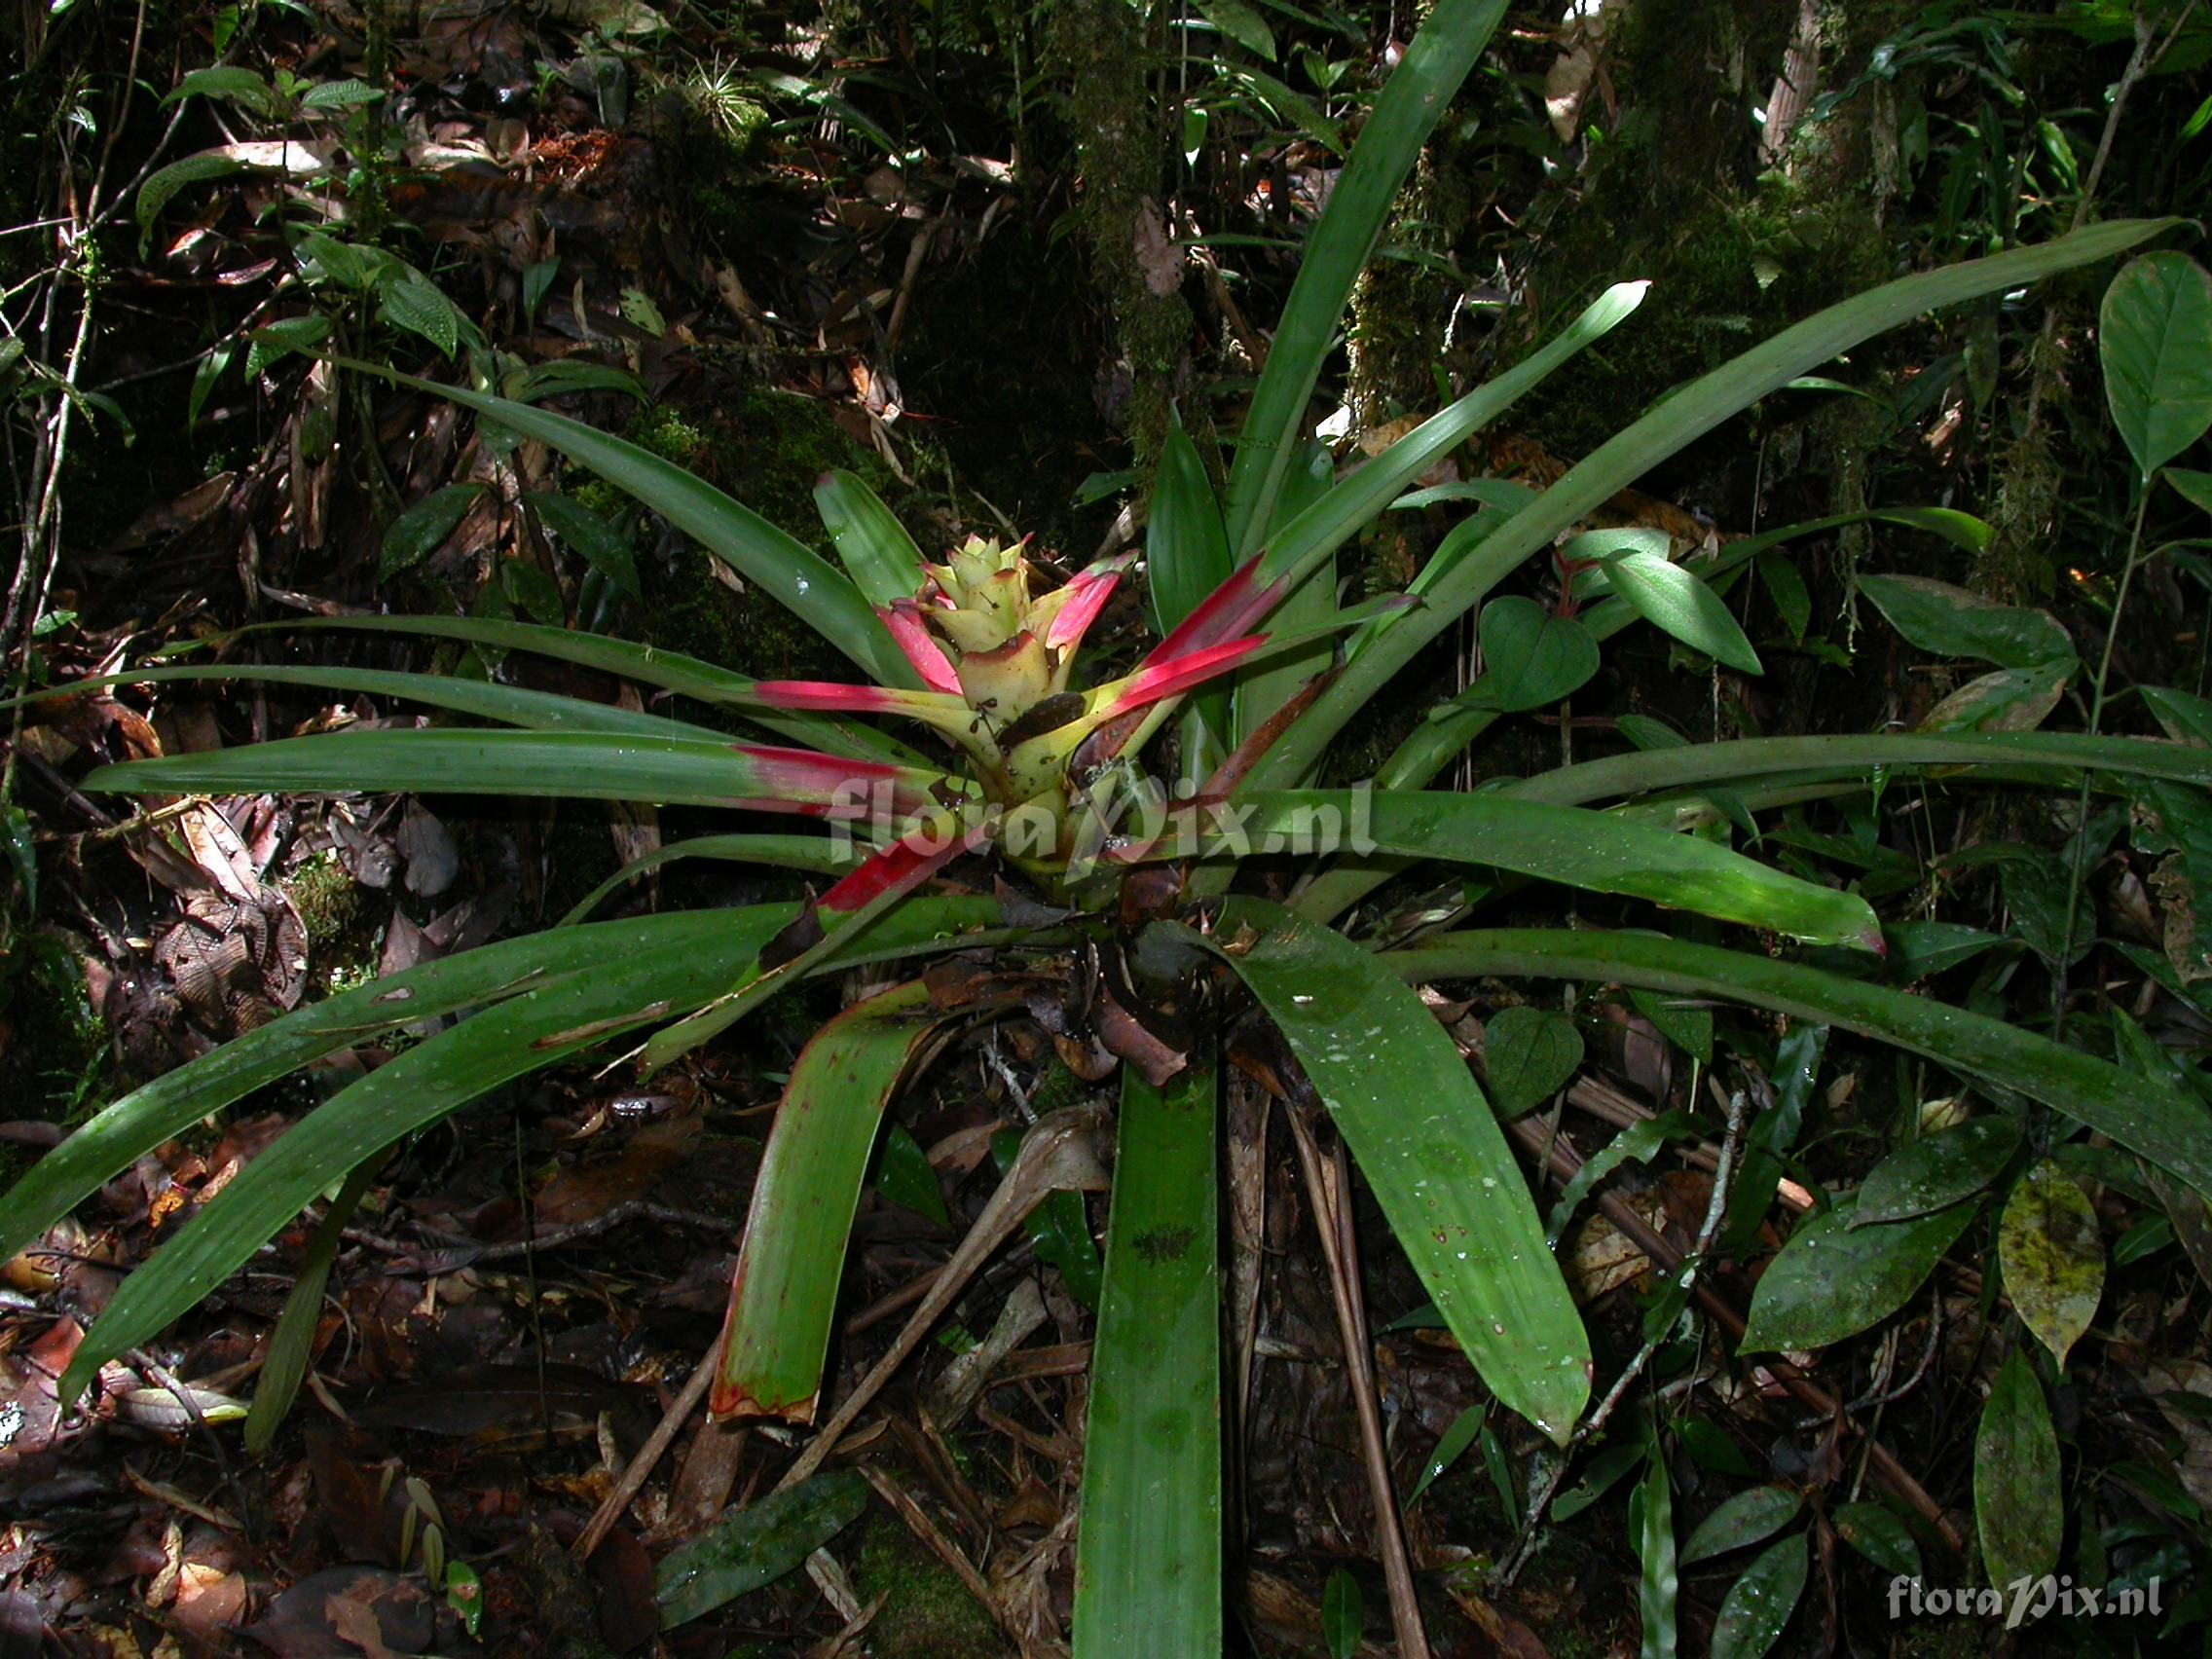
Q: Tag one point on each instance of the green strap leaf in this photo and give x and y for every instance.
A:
(134, 1125)
(1620, 776)
(787, 570)
(683, 771)
(785, 1291)
(1413, 101)
(1680, 420)
(2147, 1114)
(649, 665)
(2154, 336)
(530, 1030)
(515, 706)
(1429, 1147)
(876, 550)
(1569, 845)
(1659, 1585)
(1149, 1555)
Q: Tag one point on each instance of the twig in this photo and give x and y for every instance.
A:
(632, 1479)
(1715, 1211)
(1325, 1184)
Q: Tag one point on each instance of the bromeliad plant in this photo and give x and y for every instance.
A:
(1031, 760)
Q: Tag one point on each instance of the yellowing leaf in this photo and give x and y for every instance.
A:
(2053, 1260)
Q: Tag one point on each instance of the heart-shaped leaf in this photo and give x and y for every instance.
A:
(1527, 1054)
(2155, 334)
(1531, 657)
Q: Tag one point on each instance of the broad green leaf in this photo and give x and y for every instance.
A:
(274, 342)
(1624, 775)
(1833, 1281)
(1678, 602)
(1793, 598)
(234, 85)
(134, 1125)
(341, 95)
(1878, 1535)
(1659, 1585)
(1637, 1143)
(1936, 1171)
(1568, 845)
(604, 547)
(160, 186)
(418, 532)
(2018, 1508)
(2186, 719)
(324, 258)
(903, 1176)
(1528, 1055)
(1430, 1149)
(1950, 621)
(1918, 949)
(410, 301)
(1344, 1614)
(795, 575)
(1531, 657)
(1677, 422)
(1744, 1520)
(1242, 24)
(877, 553)
(1758, 1604)
(742, 1549)
(1148, 1570)
(2155, 337)
(684, 771)
(530, 1030)
(2195, 486)
(1599, 1476)
(2007, 699)
(785, 1291)
(2149, 1116)
(1059, 1232)
(1417, 95)
(2053, 1258)
(1689, 1029)
(1449, 1450)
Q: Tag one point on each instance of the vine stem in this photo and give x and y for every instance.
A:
(2058, 978)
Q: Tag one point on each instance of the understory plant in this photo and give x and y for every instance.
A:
(1167, 823)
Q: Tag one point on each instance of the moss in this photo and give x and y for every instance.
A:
(53, 1044)
(929, 1613)
(340, 922)
(766, 449)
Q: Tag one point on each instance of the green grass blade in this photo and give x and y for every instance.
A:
(1149, 1553)
(679, 771)
(1430, 1148)
(784, 1290)
(1413, 101)
(284, 1364)
(779, 565)
(670, 671)
(1569, 845)
(2146, 1115)
(1673, 423)
(530, 1030)
(134, 1125)
(1646, 771)
(873, 544)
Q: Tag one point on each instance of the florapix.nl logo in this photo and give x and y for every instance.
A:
(2023, 1600)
